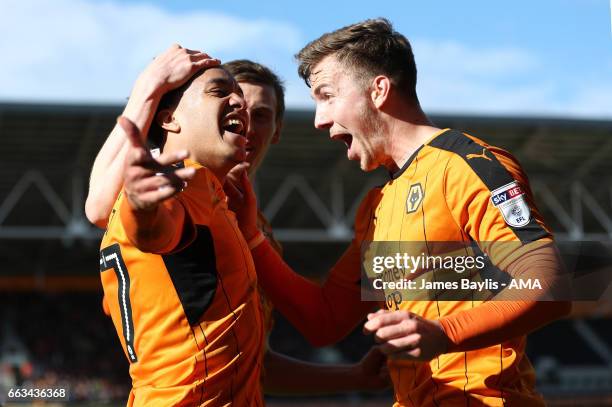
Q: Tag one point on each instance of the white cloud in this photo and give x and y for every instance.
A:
(458, 60)
(83, 51)
(454, 78)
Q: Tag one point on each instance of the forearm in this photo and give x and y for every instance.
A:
(501, 319)
(323, 315)
(284, 375)
(107, 172)
(495, 322)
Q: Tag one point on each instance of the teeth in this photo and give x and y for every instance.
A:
(233, 122)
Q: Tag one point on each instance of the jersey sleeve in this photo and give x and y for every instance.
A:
(491, 201)
(497, 321)
(165, 229)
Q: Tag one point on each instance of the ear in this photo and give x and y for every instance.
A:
(381, 88)
(277, 132)
(166, 120)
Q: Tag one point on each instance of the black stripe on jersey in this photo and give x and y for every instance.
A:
(193, 271)
(492, 173)
(399, 172)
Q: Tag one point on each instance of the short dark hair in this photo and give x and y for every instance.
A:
(371, 47)
(170, 99)
(244, 70)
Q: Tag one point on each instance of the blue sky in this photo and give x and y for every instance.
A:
(544, 57)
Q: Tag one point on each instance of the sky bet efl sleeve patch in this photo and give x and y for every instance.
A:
(510, 200)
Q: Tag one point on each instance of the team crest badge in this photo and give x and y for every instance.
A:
(415, 197)
(510, 200)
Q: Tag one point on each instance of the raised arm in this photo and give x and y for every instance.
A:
(324, 314)
(153, 220)
(168, 71)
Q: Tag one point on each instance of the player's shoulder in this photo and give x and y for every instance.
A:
(469, 147)
(494, 165)
(203, 193)
(113, 225)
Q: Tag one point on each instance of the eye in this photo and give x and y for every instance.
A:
(325, 96)
(219, 92)
(262, 115)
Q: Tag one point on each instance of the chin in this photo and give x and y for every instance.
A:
(367, 165)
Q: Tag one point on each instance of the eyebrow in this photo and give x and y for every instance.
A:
(219, 81)
(317, 89)
(262, 107)
(226, 82)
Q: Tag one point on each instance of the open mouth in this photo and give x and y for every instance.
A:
(233, 125)
(345, 137)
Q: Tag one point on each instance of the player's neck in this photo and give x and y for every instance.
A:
(406, 135)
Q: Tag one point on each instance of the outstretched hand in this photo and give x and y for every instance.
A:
(148, 181)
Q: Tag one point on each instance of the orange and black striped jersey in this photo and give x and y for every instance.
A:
(446, 193)
(189, 319)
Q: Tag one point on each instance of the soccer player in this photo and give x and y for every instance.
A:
(444, 186)
(178, 278)
(264, 95)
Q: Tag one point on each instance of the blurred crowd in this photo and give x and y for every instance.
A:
(61, 341)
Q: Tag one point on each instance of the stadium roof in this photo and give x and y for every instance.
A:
(306, 185)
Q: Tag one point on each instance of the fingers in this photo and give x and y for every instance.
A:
(408, 343)
(184, 175)
(140, 180)
(235, 174)
(236, 197)
(168, 159)
(174, 67)
(398, 330)
(131, 131)
(247, 189)
(374, 314)
(201, 57)
(163, 164)
(382, 319)
(146, 189)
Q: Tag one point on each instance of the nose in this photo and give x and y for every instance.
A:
(237, 101)
(322, 118)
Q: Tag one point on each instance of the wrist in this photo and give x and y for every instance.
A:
(141, 107)
(255, 239)
(445, 341)
(147, 88)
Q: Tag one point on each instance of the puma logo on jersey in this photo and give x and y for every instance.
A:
(483, 155)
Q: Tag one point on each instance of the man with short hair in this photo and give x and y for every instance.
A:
(264, 96)
(178, 279)
(443, 187)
